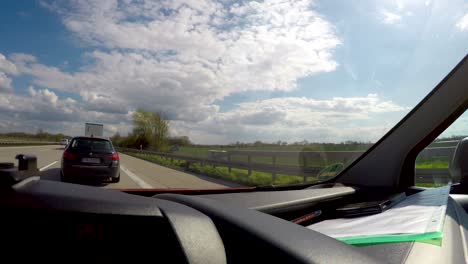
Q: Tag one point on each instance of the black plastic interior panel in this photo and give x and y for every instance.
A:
(279, 201)
(250, 236)
(46, 221)
(461, 199)
(393, 253)
(49, 222)
(52, 195)
(38, 236)
(196, 233)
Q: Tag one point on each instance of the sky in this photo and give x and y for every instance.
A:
(226, 71)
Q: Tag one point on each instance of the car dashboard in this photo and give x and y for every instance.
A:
(55, 222)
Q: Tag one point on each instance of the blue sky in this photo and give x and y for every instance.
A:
(393, 60)
(30, 28)
(239, 71)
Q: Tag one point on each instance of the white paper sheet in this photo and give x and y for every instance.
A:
(419, 213)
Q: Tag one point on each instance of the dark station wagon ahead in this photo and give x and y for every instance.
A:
(90, 158)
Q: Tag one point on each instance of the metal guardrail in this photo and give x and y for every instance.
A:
(438, 152)
(224, 159)
(441, 176)
(342, 156)
(27, 143)
(302, 156)
(249, 165)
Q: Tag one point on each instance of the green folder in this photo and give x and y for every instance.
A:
(434, 238)
(419, 218)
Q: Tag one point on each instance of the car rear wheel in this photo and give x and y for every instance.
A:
(115, 180)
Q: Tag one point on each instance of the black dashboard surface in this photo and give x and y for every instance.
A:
(89, 224)
(49, 220)
(264, 238)
(278, 201)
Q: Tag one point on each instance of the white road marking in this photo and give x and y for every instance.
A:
(47, 166)
(136, 179)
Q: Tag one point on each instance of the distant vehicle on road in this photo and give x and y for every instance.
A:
(64, 142)
(90, 158)
(94, 130)
(174, 148)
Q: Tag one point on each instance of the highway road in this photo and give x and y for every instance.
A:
(134, 173)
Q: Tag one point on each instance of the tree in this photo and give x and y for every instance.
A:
(180, 141)
(116, 139)
(150, 128)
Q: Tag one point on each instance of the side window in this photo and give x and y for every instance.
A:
(438, 163)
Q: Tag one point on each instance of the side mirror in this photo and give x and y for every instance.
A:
(459, 165)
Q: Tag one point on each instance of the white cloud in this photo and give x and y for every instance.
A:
(45, 95)
(390, 18)
(39, 104)
(21, 58)
(43, 105)
(242, 46)
(5, 83)
(293, 118)
(178, 57)
(7, 66)
(399, 4)
(462, 24)
(183, 57)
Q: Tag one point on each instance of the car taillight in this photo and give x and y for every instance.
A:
(113, 157)
(69, 156)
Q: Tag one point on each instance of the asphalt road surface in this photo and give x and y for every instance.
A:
(134, 173)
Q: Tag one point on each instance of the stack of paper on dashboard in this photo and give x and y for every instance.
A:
(420, 217)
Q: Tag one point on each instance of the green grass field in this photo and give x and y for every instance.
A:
(236, 175)
(435, 164)
(432, 163)
(430, 185)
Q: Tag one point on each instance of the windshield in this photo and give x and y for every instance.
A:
(216, 94)
(84, 144)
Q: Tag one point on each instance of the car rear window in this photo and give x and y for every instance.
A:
(87, 144)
